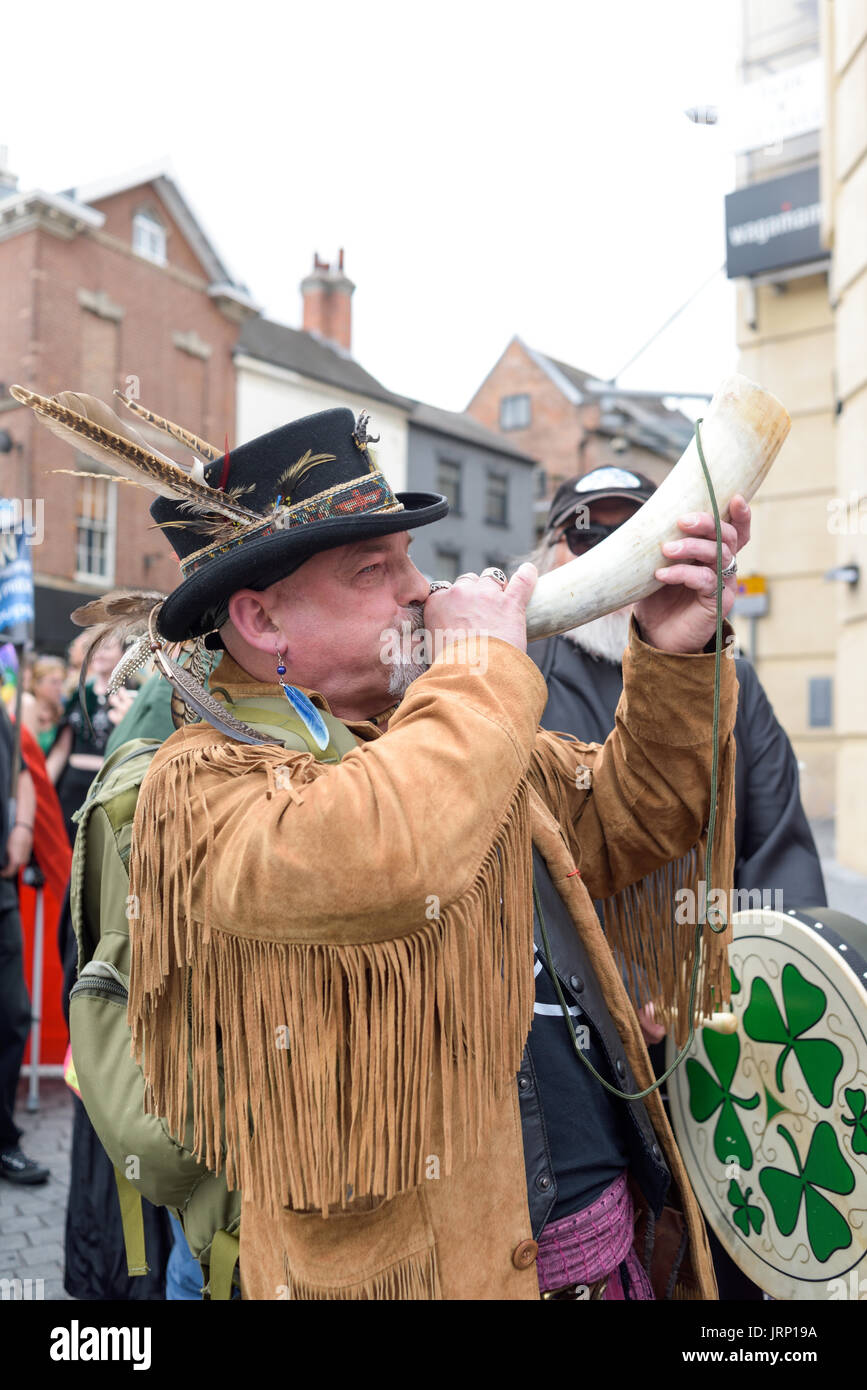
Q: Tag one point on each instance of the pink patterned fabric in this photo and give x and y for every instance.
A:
(640, 1290)
(583, 1248)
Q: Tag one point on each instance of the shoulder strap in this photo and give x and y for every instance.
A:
(120, 806)
(132, 1221)
(275, 717)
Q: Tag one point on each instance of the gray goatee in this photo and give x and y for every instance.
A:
(404, 671)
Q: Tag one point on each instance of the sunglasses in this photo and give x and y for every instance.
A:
(583, 538)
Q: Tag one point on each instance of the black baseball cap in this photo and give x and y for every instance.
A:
(606, 482)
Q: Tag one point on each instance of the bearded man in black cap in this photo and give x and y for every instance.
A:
(774, 846)
(338, 897)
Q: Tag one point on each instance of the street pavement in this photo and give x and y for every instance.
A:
(846, 890)
(32, 1219)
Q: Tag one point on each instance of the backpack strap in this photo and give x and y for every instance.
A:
(100, 795)
(275, 719)
(132, 1220)
(224, 1257)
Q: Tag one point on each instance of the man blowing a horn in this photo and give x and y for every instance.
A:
(337, 937)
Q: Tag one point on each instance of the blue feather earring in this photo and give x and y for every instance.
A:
(304, 708)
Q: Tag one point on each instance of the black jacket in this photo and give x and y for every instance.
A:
(774, 847)
(580, 986)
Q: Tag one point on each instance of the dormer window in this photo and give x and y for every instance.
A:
(149, 237)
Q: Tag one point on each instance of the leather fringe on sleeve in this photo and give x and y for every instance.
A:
(335, 1060)
(650, 925)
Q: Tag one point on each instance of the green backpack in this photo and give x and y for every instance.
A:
(148, 1161)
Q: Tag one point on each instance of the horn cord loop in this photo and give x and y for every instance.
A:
(714, 776)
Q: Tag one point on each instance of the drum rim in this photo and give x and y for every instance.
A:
(855, 965)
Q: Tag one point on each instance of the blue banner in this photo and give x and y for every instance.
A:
(16, 568)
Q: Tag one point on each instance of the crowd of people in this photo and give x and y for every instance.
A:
(61, 751)
(584, 675)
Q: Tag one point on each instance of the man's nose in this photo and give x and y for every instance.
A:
(413, 588)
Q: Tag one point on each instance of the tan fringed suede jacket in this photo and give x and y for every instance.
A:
(346, 953)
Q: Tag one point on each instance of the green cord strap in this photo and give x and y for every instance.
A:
(224, 1257)
(711, 825)
(132, 1220)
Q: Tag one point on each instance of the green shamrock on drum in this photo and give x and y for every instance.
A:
(857, 1103)
(825, 1167)
(707, 1094)
(804, 1003)
(745, 1214)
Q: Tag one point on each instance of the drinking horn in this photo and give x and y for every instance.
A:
(741, 434)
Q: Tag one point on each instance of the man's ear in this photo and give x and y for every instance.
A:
(249, 615)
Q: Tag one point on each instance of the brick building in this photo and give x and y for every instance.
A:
(111, 285)
(572, 422)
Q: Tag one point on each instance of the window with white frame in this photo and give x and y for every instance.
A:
(515, 412)
(149, 237)
(96, 522)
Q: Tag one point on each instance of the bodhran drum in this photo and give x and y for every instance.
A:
(771, 1118)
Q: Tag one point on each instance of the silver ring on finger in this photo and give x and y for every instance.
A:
(731, 569)
(493, 573)
(439, 584)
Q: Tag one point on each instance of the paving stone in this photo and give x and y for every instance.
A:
(38, 1255)
(36, 1216)
(13, 1241)
(53, 1217)
(13, 1224)
(56, 1293)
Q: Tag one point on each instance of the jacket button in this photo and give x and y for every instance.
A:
(576, 983)
(543, 1182)
(620, 1068)
(524, 1254)
(523, 1083)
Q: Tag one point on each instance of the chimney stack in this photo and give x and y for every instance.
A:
(327, 293)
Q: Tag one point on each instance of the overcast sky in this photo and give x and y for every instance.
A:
(491, 167)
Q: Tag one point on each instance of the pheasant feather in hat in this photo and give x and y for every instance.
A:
(252, 517)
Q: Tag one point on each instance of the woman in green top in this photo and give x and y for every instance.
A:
(47, 676)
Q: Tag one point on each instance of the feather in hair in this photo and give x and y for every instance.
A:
(114, 617)
(93, 409)
(132, 659)
(105, 477)
(129, 605)
(196, 697)
(190, 441)
(216, 528)
(61, 414)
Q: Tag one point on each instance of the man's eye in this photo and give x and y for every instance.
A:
(368, 569)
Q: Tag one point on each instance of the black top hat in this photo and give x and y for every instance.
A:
(315, 484)
(602, 482)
